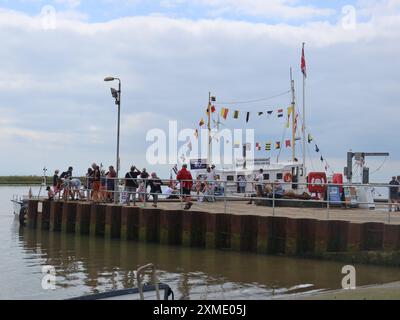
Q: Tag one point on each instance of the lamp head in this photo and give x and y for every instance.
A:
(109, 79)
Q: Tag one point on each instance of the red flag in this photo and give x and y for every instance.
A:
(303, 63)
(288, 144)
(213, 109)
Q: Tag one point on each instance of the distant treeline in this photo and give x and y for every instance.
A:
(27, 180)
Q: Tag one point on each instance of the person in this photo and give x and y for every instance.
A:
(242, 184)
(55, 179)
(155, 188)
(89, 182)
(260, 183)
(186, 182)
(75, 185)
(199, 188)
(143, 186)
(110, 178)
(131, 184)
(171, 192)
(67, 174)
(398, 195)
(278, 189)
(210, 184)
(393, 194)
(96, 183)
(50, 194)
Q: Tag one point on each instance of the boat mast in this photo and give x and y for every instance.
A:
(209, 130)
(304, 119)
(293, 116)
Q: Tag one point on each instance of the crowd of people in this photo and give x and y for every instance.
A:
(101, 186)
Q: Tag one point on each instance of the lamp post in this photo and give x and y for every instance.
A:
(117, 95)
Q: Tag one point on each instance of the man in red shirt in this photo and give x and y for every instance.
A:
(186, 180)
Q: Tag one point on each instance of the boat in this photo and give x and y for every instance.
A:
(20, 207)
(153, 291)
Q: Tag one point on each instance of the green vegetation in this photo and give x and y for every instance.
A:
(26, 180)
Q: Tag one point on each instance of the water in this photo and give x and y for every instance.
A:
(89, 265)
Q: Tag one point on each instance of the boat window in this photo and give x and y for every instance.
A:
(230, 178)
(266, 176)
(279, 176)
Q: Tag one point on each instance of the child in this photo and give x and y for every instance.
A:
(50, 194)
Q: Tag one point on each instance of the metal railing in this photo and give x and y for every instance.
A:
(273, 193)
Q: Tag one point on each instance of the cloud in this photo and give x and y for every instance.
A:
(54, 96)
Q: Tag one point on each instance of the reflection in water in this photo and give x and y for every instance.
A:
(89, 265)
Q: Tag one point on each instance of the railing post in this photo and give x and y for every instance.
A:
(145, 193)
(327, 199)
(273, 199)
(225, 197)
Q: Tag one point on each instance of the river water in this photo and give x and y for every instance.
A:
(89, 265)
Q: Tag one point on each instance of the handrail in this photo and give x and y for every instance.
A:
(140, 274)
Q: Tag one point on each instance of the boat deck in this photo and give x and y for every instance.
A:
(380, 214)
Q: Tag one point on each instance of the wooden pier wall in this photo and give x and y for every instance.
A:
(371, 243)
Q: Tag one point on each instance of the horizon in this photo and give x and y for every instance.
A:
(57, 111)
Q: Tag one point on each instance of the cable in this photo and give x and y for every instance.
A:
(254, 101)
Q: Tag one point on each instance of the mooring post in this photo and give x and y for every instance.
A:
(225, 197)
(273, 199)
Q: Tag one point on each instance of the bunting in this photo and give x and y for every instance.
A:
(236, 114)
(277, 145)
(247, 117)
(224, 113)
(280, 113)
(310, 138)
(268, 146)
(258, 146)
(316, 148)
(196, 134)
(202, 123)
(288, 143)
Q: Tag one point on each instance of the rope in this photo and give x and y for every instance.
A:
(254, 101)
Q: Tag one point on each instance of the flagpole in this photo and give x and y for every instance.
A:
(209, 129)
(304, 118)
(293, 116)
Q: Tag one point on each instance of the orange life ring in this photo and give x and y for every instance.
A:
(287, 177)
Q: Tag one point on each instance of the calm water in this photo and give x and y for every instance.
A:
(87, 265)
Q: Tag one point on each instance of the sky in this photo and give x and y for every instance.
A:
(56, 110)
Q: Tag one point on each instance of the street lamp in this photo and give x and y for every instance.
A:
(117, 96)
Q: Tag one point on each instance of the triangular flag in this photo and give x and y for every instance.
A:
(310, 138)
(258, 146)
(288, 144)
(316, 148)
(213, 109)
(236, 114)
(268, 146)
(247, 117)
(260, 113)
(280, 113)
(322, 159)
(277, 145)
(202, 123)
(213, 99)
(196, 134)
(303, 63)
(270, 112)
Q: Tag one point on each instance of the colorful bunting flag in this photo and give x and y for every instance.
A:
(310, 138)
(258, 146)
(213, 109)
(303, 63)
(260, 113)
(196, 134)
(224, 113)
(316, 148)
(322, 159)
(236, 114)
(248, 117)
(268, 146)
(280, 113)
(288, 144)
(277, 145)
(213, 99)
(270, 112)
(202, 123)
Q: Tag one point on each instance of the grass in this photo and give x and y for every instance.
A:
(25, 180)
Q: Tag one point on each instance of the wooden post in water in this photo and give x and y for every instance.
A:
(113, 222)
(56, 209)
(82, 223)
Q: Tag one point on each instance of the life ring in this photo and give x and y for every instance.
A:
(287, 177)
